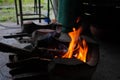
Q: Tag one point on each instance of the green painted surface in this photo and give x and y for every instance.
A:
(68, 12)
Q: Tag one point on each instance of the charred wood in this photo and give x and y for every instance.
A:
(35, 52)
(17, 35)
(8, 48)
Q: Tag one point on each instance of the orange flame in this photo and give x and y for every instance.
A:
(82, 49)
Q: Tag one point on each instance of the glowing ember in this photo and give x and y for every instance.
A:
(81, 46)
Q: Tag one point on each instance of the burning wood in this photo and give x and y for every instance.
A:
(41, 52)
(54, 66)
(75, 69)
(48, 46)
(52, 57)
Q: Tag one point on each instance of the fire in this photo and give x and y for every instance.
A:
(82, 51)
(75, 43)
